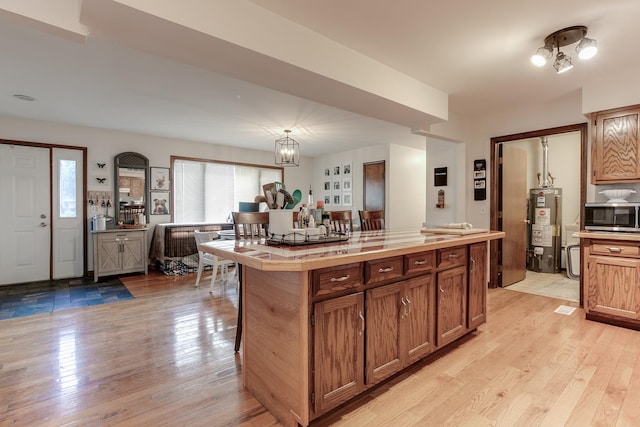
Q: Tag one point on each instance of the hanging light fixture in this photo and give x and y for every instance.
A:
(287, 151)
(587, 48)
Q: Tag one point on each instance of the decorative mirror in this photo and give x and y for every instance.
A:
(132, 187)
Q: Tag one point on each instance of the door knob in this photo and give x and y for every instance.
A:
(43, 216)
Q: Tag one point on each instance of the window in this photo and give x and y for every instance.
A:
(208, 191)
(67, 190)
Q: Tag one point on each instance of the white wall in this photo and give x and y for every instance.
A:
(477, 134)
(407, 186)
(357, 158)
(450, 155)
(102, 145)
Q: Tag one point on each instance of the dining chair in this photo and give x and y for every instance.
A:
(341, 221)
(210, 259)
(248, 226)
(371, 220)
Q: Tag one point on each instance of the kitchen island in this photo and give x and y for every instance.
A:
(324, 323)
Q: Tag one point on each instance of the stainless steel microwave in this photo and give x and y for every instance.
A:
(612, 217)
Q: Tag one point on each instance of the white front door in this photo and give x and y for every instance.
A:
(25, 214)
(68, 213)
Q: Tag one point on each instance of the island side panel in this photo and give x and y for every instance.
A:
(275, 342)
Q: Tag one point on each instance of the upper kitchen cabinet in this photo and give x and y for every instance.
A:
(615, 150)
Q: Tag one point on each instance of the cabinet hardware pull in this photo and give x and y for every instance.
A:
(441, 290)
(473, 264)
(362, 321)
(453, 255)
(420, 262)
(340, 279)
(405, 313)
(408, 311)
(616, 250)
(385, 269)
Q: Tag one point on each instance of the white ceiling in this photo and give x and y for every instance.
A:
(476, 51)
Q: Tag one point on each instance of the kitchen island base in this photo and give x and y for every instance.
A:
(316, 338)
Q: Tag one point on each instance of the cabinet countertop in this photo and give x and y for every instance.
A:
(361, 246)
(609, 235)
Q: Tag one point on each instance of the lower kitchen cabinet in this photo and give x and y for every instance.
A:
(452, 304)
(400, 323)
(477, 305)
(339, 350)
(391, 320)
(614, 286)
(119, 252)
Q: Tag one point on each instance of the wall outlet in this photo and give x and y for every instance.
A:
(483, 211)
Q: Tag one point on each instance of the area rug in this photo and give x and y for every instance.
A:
(549, 285)
(48, 296)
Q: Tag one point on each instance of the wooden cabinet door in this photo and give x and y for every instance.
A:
(613, 286)
(383, 314)
(452, 304)
(616, 150)
(419, 324)
(108, 255)
(133, 252)
(338, 350)
(477, 307)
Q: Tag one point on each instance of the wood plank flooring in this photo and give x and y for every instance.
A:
(166, 359)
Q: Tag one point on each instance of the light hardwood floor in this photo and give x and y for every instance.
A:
(166, 359)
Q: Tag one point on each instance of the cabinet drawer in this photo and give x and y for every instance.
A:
(334, 279)
(452, 257)
(423, 261)
(118, 236)
(615, 248)
(383, 269)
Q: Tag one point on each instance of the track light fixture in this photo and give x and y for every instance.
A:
(587, 48)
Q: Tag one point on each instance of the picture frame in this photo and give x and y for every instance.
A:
(346, 169)
(160, 203)
(336, 170)
(346, 198)
(327, 172)
(327, 186)
(336, 200)
(327, 200)
(336, 185)
(346, 184)
(160, 179)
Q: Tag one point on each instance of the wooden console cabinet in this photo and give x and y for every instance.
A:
(119, 252)
(320, 327)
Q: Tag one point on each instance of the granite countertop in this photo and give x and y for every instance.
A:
(361, 246)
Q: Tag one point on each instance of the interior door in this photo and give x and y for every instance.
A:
(514, 214)
(25, 246)
(373, 178)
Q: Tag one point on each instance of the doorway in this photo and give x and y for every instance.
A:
(44, 234)
(374, 183)
(499, 249)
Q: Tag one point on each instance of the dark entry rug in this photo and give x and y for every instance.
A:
(48, 296)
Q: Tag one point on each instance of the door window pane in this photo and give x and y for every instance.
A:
(67, 178)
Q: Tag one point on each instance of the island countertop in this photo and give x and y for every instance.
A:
(361, 246)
